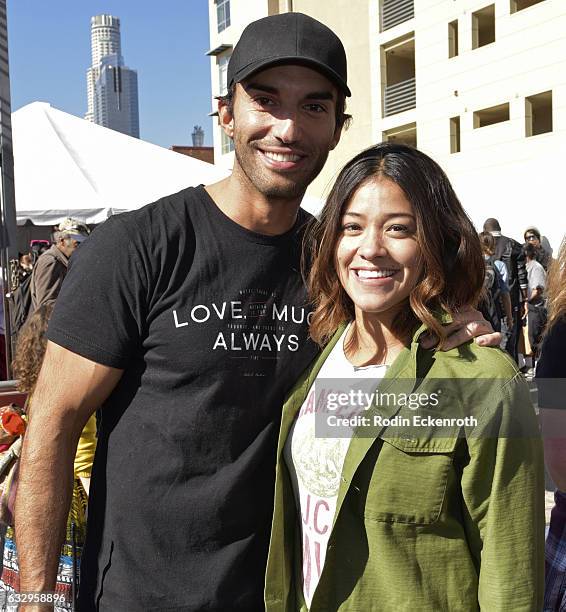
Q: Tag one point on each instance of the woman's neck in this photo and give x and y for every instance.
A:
(372, 342)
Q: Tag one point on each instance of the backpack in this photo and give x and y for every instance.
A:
(20, 305)
(490, 305)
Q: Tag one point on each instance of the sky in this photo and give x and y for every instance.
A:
(166, 42)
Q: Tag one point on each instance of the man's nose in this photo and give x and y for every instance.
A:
(287, 129)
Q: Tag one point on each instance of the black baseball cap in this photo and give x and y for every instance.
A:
(289, 38)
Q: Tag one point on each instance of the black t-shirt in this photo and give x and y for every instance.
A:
(209, 322)
(551, 368)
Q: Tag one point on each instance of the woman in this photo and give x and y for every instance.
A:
(532, 236)
(393, 515)
(30, 349)
(551, 383)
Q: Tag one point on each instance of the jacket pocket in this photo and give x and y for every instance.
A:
(407, 481)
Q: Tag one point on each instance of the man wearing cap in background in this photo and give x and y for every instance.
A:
(189, 341)
(51, 267)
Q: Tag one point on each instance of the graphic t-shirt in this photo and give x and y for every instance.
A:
(315, 463)
(209, 322)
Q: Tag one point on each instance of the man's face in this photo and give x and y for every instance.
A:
(67, 245)
(283, 125)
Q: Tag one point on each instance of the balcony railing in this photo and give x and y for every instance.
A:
(399, 97)
(394, 12)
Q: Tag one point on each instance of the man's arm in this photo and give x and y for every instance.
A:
(69, 389)
(521, 260)
(507, 308)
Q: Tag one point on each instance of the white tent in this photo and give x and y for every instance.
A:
(65, 166)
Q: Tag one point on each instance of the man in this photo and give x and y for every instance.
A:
(191, 342)
(536, 307)
(51, 267)
(510, 252)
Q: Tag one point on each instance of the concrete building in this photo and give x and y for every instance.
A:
(477, 84)
(112, 87)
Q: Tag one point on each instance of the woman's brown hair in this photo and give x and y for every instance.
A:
(30, 348)
(556, 288)
(453, 264)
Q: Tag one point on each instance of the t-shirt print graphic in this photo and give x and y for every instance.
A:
(255, 326)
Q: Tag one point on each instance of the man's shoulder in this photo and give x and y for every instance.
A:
(153, 222)
(170, 208)
(50, 258)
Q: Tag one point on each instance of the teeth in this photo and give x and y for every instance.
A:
(282, 157)
(375, 273)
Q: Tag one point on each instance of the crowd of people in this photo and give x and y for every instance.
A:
(209, 331)
(515, 281)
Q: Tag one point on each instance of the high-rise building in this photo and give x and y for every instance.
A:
(476, 84)
(198, 136)
(112, 87)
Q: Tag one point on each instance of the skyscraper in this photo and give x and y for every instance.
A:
(112, 87)
(198, 136)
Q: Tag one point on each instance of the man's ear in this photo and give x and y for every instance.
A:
(336, 138)
(226, 119)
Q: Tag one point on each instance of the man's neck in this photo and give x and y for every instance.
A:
(251, 209)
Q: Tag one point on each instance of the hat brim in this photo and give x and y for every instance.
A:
(330, 74)
(74, 236)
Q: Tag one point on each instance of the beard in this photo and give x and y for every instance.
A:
(272, 184)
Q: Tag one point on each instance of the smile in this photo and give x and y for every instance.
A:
(282, 157)
(375, 273)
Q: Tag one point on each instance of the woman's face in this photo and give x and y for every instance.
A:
(531, 238)
(377, 255)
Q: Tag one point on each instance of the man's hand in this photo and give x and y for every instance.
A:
(467, 324)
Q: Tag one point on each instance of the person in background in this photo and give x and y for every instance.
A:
(496, 304)
(26, 265)
(542, 255)
(510, 252)
(393, 516)
(51, 267)
(27, 363)
(551, 383)
(535, 310)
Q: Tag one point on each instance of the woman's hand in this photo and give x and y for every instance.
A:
(467, 324)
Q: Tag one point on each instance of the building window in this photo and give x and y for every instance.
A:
(394, 12)
(492, 115)
(455, 135)
(404, 134)
(483, 27)
(222, 14)
(226, 141)
(519, 5)
(399, 90)
(223, 73)
(538, 114)
(453, 38)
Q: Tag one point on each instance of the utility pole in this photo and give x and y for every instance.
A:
(8, 246)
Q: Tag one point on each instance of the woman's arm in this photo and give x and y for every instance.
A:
(503, 495)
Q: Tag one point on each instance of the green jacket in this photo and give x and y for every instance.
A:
(451, 523)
